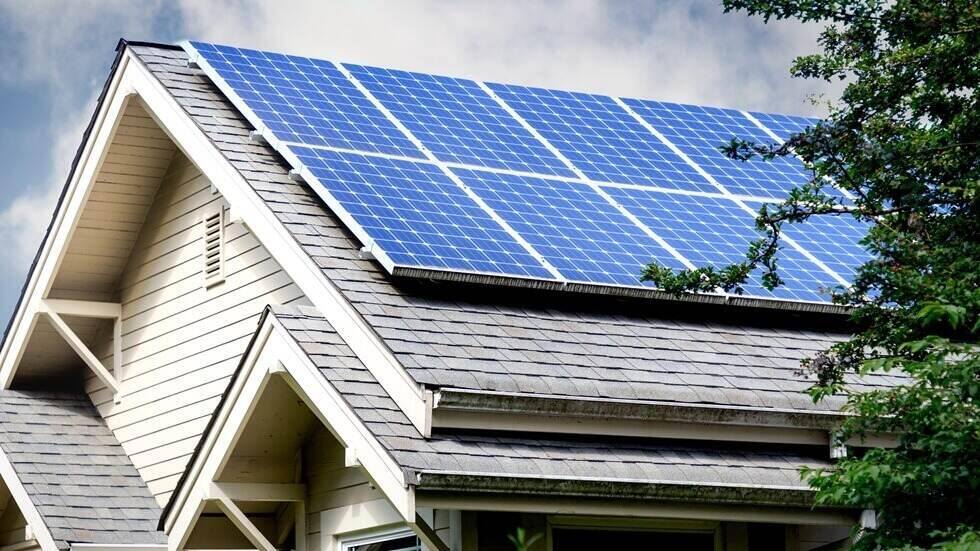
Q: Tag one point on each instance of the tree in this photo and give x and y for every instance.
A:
(903, 140)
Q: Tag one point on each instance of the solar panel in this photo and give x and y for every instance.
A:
(571, 225)
(458, 121)
(600, 138)
(305, 100)
(784, 126)
(700, 131)
(417, 215)
(712, 231)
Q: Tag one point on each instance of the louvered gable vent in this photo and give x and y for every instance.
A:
(214, 244)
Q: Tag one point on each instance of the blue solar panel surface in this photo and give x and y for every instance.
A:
(833, 240)
(571, 225)
(458, 121)
(700, 131)
(417, 215)
(784, 126)
(715, 231)
(601, 139)
(306, 100)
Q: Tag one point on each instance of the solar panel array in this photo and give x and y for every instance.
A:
(440, 174)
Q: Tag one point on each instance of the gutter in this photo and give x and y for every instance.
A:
(672, 491)
(562, 407)
(591, 289)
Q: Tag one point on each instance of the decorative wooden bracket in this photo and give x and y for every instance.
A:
(55, 308)
(224, 494)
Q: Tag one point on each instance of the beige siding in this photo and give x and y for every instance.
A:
(181, 341)
(330, 484)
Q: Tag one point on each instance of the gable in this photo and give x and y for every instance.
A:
(120, 308)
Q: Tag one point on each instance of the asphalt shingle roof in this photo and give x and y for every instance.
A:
(487, 339)
(499, 456)
(75, 471)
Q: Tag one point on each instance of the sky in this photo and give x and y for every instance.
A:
(56, 56)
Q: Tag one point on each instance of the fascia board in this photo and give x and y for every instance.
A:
(490, 402)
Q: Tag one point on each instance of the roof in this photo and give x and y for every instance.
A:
(500, 339)
(75, 471)
(500, 462)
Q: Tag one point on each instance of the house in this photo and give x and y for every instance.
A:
(212, 352)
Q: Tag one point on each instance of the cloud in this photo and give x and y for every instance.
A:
(679, 51)
(23, 221)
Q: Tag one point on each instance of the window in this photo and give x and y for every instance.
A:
(403, 540)
(213, 224)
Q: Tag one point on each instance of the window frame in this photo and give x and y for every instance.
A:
(347, 542)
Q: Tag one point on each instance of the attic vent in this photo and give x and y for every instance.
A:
(214, 246)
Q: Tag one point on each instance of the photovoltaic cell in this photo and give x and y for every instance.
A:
(784, 126)
(417, 215)
(572, 226)
(306, 100)
(600, 138)
(701, 131)
(458, 121)
(715, 232)
(834, 240)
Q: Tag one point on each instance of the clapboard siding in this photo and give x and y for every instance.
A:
(180, 341)
(329, 483)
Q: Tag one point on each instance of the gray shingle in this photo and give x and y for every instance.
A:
(492, 455)
(75, 472)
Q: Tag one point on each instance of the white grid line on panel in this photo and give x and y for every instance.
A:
(781, 141)
(789, 241)
(449, 173)
(585, 179)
